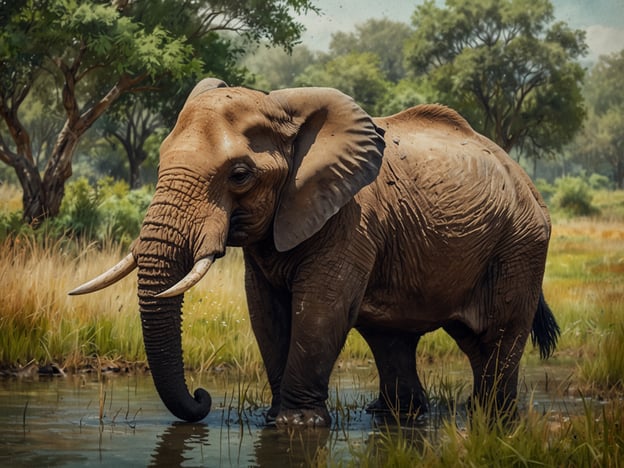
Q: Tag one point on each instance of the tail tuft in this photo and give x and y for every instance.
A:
(545, 331)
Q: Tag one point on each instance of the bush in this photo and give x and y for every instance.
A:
(599, 182)
(11, 224)
(121, 215)
(547, 190)
(110, 211)
(573, 197)
(79, 210)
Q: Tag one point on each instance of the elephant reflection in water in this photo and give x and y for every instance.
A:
(177, 443)
(189, 444)
(394, 226)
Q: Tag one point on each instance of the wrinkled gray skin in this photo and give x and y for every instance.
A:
(394, 226)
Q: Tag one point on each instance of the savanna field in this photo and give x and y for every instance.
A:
(584, 285)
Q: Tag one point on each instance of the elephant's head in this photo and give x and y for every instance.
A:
(240, 166)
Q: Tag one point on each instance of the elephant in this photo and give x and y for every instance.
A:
(395, 226)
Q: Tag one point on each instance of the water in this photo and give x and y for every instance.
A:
(55, 421)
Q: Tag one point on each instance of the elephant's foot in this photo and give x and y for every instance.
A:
(271, 416)
(303, 418)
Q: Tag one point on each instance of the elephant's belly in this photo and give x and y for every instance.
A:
(410, 314)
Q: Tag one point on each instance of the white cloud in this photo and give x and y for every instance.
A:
(603, 40)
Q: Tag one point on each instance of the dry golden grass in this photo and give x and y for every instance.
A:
(41, 323)
(10, 198)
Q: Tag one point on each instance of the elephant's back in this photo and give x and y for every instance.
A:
(427, 116)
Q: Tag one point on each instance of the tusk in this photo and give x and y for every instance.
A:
(123, 268)
(191, 279)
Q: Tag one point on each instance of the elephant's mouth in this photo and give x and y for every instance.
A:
(241, 224)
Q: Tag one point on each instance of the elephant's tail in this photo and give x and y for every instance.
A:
(545, 331)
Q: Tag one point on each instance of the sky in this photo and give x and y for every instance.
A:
(603, 20)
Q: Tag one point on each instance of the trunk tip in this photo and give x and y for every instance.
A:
(204, 404)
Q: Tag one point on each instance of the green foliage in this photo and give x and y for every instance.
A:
(547, 190)
(600, 146)
(503, 66)
(87, 55)
(104, 212)
(599, 182)
(275, 68)
(381, 37)
(79, 210)
(573, 197)
(403, 95)
(121, 214)
(358, 75)
(11, 224)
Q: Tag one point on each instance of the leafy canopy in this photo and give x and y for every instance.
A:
(505, 67)
(357, 74)
(601, 143)
(87, 54)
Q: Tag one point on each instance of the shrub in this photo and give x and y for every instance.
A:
(121, 214)
(573, 197)
(79, 210)
(546, 189)
(599, 182)
(10, 224)
(110, 211)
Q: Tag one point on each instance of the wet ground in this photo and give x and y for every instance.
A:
(86, 420)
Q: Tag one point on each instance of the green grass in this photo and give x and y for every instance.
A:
(585, 288)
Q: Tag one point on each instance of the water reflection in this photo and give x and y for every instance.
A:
(177, 442)
(295, 448)
(182, 442)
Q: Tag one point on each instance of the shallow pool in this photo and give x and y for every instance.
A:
(119, 420)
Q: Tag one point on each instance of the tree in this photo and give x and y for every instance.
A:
(357, 75)
(503, 65)
(601, 143)
(130, 127)
(276, 68)
(95, 52)
(382, 37)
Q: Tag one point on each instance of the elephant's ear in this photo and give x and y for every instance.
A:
(337, 150)
(206, 85)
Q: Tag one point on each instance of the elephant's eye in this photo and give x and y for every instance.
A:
(241, 175)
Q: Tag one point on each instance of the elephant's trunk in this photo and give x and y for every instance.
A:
(180, 229)
(161, 265)
(163, 345)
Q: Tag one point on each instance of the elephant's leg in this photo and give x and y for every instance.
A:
(495, 359)
(326, 297)
(269, 313)
(395, 356)
(319, 331)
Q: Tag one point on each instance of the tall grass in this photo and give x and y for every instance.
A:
(593, 438)
(41, 323)
(585, 287)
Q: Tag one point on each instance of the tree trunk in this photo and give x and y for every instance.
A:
(33, 194)
(42, 197)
